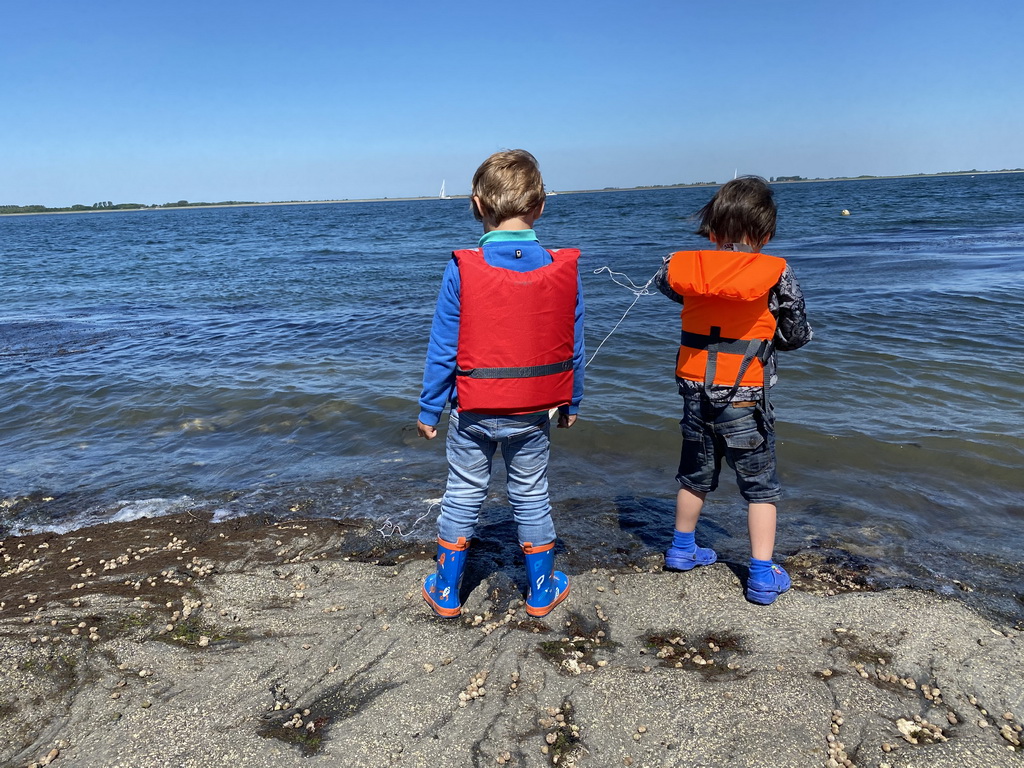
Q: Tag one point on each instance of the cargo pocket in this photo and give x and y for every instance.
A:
(746, 450)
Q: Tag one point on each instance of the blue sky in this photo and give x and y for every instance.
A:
(156, 102)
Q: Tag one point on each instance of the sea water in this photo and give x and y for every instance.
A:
(267, 360)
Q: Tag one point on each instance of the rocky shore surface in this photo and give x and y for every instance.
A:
(178, 642)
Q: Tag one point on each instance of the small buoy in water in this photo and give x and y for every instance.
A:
(845, 212)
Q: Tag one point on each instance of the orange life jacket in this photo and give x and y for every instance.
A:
(516, 334)
(727, 326)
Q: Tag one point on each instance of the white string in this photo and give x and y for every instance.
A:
(636, 290)
(390, 528)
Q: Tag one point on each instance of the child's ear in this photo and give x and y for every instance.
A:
(478, 208)
(536, 213)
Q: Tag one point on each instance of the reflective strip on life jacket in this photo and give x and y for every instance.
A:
(516, 334)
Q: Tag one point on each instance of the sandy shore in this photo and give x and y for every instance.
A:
(175, 642)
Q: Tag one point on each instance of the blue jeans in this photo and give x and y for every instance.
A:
(471, 443)
(745, 437)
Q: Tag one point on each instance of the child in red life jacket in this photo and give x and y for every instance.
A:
(739, 307)
(506, 347)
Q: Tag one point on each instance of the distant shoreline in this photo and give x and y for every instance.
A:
(712, 184)
(709, 184)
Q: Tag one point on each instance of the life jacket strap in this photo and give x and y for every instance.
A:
(704, 341)
(715, 343)
(527, 372)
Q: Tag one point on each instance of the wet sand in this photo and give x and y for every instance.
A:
(177, 642)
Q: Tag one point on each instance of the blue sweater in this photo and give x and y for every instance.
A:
(517, 250)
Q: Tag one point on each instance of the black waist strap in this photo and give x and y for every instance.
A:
(714, 343)
(516, 373)
(703, 341)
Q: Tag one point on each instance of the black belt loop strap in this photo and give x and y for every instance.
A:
(527, 372)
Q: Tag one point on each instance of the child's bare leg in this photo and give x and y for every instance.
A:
(688, 506)
(761, 523)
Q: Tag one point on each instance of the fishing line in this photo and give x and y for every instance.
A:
(636, 290)
(390, 528)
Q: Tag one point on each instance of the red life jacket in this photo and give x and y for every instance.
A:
(516, 333)
(727, 326)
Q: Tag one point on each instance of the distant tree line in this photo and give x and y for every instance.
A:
(109, 206)
(899, 176)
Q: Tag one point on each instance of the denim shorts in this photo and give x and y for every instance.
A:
(745, 436)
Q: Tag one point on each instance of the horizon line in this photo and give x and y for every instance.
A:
(184, 204)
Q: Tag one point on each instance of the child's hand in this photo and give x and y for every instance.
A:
(566, 420)
(427, 432)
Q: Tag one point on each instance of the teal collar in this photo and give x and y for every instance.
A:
(507, 235)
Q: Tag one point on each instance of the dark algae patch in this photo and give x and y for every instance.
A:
(577, 652)
(59, 666)
(307, 727)
(568, 655)
(714, 654)
(563, 742)
(135, 624)
(305, 734)
(830, 570)
(864, 652)
(190, 632)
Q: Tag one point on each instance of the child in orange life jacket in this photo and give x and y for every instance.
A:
(739, 307)
(506, 347)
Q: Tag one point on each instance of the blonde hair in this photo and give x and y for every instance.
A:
(508, 184)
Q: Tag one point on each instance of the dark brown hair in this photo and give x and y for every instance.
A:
(742, 208)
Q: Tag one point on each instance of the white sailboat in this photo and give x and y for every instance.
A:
(441, 195)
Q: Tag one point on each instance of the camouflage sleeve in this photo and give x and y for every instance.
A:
(786, 302)
(661, 281)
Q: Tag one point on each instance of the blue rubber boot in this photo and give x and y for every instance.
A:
(767, 581)
(547, 587)
(441, 589)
